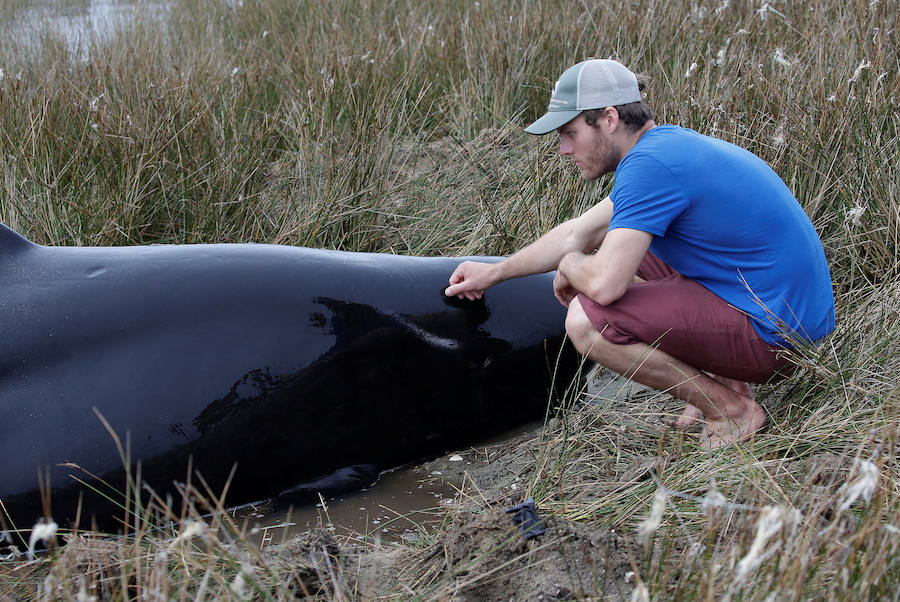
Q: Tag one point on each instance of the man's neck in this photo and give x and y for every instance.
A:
(628, 139)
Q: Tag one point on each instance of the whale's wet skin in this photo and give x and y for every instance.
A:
(289, 363)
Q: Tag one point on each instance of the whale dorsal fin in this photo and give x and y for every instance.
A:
(12, 242)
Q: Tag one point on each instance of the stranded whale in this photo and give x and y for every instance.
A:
(287, 362)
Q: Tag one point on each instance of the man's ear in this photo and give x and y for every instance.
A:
(611, 119)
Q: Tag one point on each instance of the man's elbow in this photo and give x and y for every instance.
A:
(606, 294)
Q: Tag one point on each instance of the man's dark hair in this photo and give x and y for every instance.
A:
(634, 114)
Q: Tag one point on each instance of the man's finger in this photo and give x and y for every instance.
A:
(456, 290)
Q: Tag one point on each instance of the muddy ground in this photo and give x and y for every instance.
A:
(478, 554)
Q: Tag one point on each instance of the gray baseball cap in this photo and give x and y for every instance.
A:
(591, 84)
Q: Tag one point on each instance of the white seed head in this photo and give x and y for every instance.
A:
(191, 528)
(863, 66)
(865, 484)
(779, 58)
(640, 593)
(854, 214)
(720, 55)
(771, 520)
(713, 499)
(650, 524)
(238, 586)
(43, 531)
(83, 595)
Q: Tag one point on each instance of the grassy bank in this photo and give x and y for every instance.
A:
(396, 126)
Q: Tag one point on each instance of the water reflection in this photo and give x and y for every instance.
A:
(82, 27)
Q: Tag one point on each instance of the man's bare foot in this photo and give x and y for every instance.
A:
(727, 431)
(691, 415)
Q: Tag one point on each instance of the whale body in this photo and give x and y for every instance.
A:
(282, 363)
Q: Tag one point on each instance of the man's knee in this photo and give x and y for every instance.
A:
(581, 331)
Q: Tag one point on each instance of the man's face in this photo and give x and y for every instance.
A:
(589, 147)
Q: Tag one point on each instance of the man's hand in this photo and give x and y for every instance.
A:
(563, 289)
(470, 278)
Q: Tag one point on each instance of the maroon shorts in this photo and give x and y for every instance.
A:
(686, 320)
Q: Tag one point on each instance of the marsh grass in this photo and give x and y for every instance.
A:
(396, 127)
(185, 551)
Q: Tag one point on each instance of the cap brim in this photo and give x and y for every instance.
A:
(551, 121)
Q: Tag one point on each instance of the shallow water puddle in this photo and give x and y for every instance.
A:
(402, 505)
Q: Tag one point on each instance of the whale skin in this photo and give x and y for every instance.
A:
(256, 366)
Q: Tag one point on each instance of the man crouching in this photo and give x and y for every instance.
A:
(693, 275)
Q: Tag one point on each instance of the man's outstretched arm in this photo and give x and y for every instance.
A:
(583, 234)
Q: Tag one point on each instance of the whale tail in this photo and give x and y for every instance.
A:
(11, 241)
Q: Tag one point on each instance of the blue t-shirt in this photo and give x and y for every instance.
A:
(721, 216)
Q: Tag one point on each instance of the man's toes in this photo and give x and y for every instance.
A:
(725, 433)
(691, 415)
